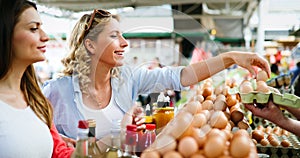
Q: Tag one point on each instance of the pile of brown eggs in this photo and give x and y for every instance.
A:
(203, 128)
(270, 136)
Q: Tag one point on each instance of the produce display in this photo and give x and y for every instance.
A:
(204, 128)
(213, 124)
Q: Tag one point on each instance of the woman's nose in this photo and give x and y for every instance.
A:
(123, 42)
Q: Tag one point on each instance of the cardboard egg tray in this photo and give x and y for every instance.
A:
(258, 96)
(285, 99)
(292, 151)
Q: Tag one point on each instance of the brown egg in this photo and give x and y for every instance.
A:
(274, 142)
(241, 132)
(204, 130)
(206, 113)
(227, 133)
(285, 143)
(221, 97)
(187, 146)
(207, 91)
(246, 87)
(268, 130)
(258, 135)
(262, 76)
(192, 107)
(150, 154)
(239, 146)
(264, 142)
(226, 90)
(231, 100)
(214, 132)
(260, 127)
(207, 105)
(236, 115)
(199, 120)
(197, 155)
(218, 120)
(172, 154)
(214, 147)
(207, 84)
(262, 87)
(271, 137)
(218, 90)
(277, 131)
(243, 124)
(163, 144)
(199, 98)
(220, 105)
(200, 137)
(211, 97)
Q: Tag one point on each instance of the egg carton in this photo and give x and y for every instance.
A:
(257, 97)
(285, 99)
(292, 151)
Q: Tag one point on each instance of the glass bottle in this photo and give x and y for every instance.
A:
(148, 116)
(148, 137)
(93, 149)
(130, 142)
(114, 150)
(81, 150)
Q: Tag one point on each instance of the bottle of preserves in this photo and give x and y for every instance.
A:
(81, 150)
(148, 137)
(130, 142)
(93, 149)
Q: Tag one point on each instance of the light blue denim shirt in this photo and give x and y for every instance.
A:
(64, 93)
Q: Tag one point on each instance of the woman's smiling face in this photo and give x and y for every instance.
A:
(110, 45)
(29, 40)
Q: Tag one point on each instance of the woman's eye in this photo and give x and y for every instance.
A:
(113, 36)
(34, 29)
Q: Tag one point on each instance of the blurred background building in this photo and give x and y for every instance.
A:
(174, 30)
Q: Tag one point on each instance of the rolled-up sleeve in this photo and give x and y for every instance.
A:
(157, 80)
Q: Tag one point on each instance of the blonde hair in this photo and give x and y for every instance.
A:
(78, 62)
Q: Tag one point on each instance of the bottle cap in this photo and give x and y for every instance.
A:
(131, 128)
(92, 122)
(150, 126)
(83, 124)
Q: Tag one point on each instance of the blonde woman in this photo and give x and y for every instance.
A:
(26, 125)
(97, 85)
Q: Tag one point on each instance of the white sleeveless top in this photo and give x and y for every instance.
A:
(23, 134)
(106, 118)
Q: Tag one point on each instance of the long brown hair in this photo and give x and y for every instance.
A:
(9, 14)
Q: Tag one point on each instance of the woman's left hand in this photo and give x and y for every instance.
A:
(248, 59)
(134, 116)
